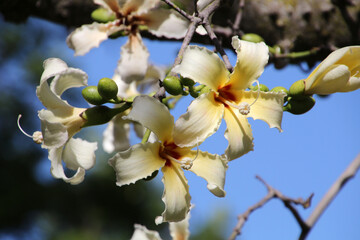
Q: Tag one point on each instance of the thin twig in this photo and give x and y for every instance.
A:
(330, 195)
(189, 34)
(272, 193)
(218, 46)
(236, 25)
(179, 10)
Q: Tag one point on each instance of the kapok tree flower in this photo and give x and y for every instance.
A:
(339, 72)
(227, 98)
(116, 134)
(130, 15)
(60, 121)
(141, 160)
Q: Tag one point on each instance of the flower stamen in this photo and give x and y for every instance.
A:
(37, 135)
(244, 107)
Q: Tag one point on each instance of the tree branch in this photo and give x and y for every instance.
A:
(330, 195)
(272, 193)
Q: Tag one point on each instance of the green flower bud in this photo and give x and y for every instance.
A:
(299, 105)
(187, 81)
(92, 96)
(280, 89)
(101, 114)
(107, 88)
(152, 176)
(173, 85)
(252, 37)
(263, 88)
(297, 88)
(193, 93)
(102, 15)
(205, 89)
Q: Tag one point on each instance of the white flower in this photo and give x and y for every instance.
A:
(130, 15)
(61, 121)
(141, 160)
(339, 72)
(116, 135)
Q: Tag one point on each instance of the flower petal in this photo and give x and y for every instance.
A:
(116, 135)
(333, 79)
(136, 163)
(349, 56)
(133, 62)
(268, 107)
(55, 133)
(176, 194)
(166, 23)
(88, 36)
(57, 170)
(238, 133)
(202, 119)
(79, 153)
(142, 233)
(203, 66)
(212, 168)
(137, 7)
(110, 5)
(52, 68)
(153, 115)
(251, 61)
(180, 230)
(55, 123)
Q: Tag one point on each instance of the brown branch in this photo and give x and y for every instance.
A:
(272, 193)
(330, 195)
(179, 10)
(236, 25)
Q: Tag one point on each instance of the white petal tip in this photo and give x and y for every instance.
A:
(159, 220)
(216, 190)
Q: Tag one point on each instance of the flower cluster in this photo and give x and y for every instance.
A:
(219, 94)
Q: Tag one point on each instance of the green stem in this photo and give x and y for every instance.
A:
(146, 136)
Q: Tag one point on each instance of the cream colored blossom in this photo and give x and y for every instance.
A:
(228, 99)
(141, 160)
(117, 133)
(130, 15)
(339, 72)
(61, 121)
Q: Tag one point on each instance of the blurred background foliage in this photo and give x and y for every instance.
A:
(35, 206)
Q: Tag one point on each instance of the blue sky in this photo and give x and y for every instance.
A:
(307, 157)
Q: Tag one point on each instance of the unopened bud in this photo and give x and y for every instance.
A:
(92, 96)
(263, 88)
(280, 89)
(297, 88)
(299, 105)
(107, 88)
(102, 15)
(187, 81)
(252, 37)
(173, 85)
(101, 114)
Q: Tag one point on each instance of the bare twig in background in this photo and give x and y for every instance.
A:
(179, 10)
(330, 195)
(236, 25)
(272, 193)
